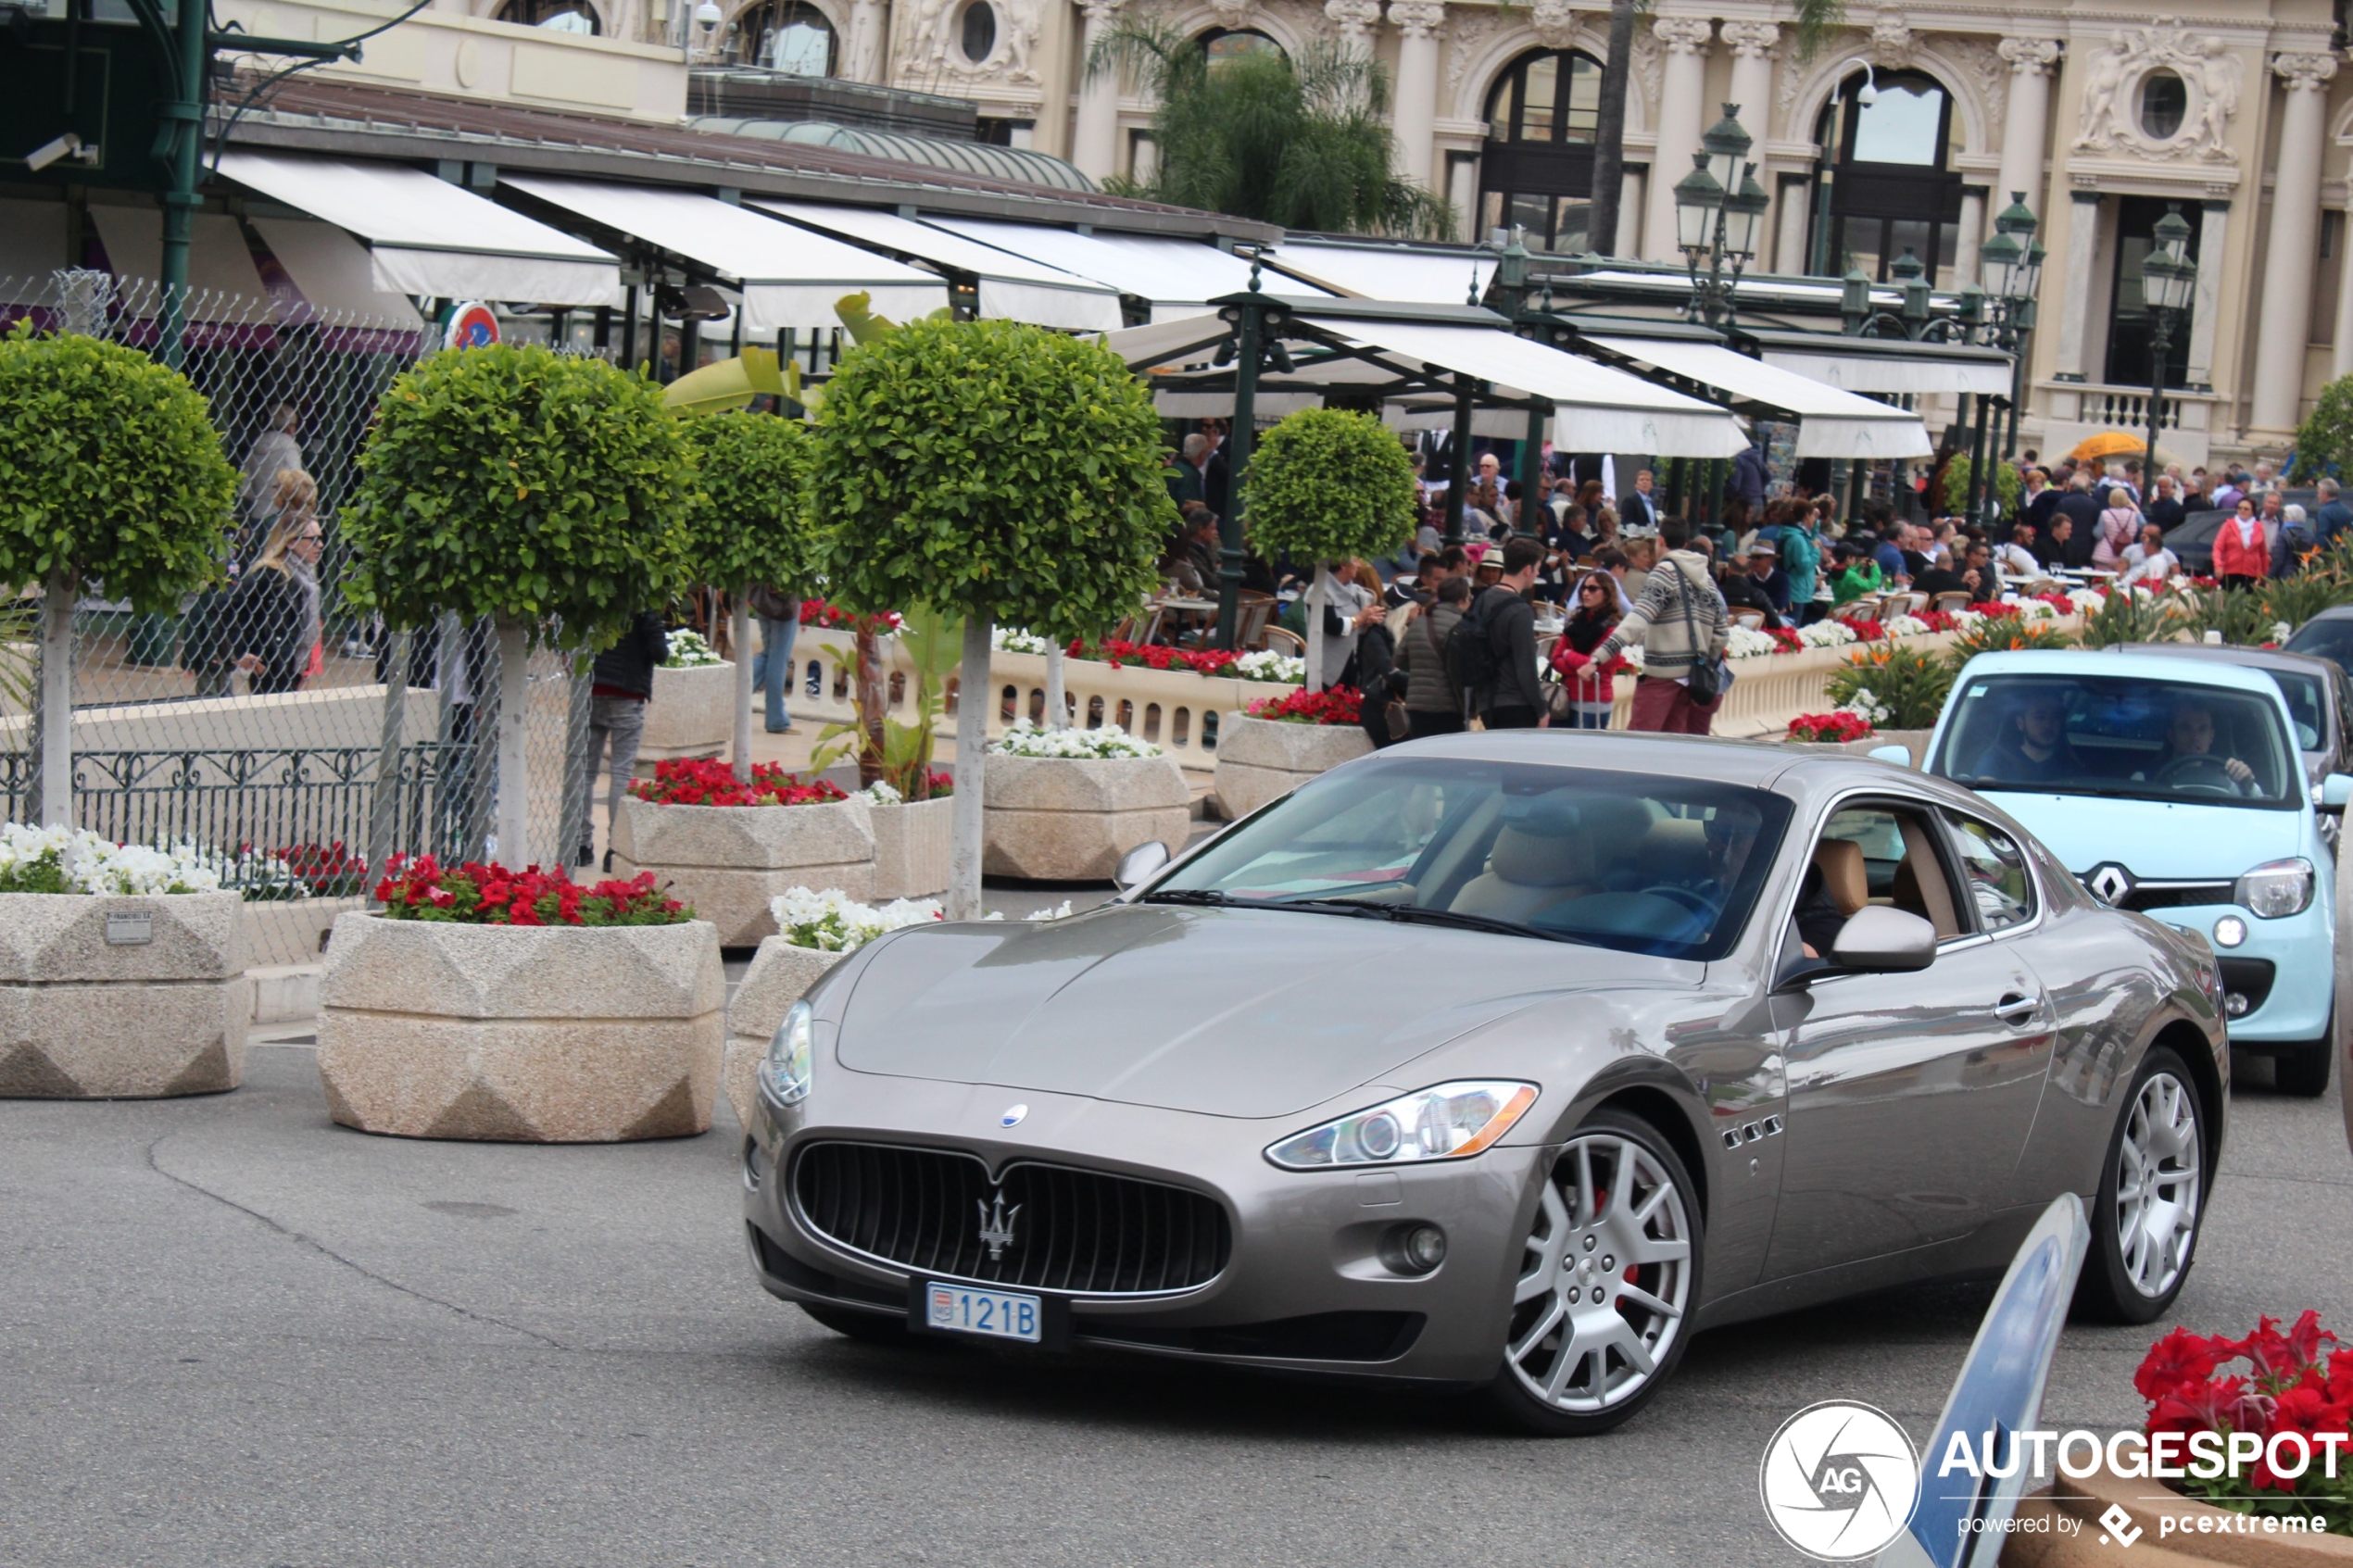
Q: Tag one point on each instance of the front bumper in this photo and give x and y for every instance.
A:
(2302, 988)
(1304, 1287)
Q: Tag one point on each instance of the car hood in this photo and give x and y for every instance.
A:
(2155, 838)
(1226, 1012)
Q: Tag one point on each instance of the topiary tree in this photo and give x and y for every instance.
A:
(1000, 472)
(747, 525)
(2324, 441)
(1327, 486)
(110, 472)
(542, 491)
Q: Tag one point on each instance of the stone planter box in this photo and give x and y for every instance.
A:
(778, 975)
(1259, 760)
(912, 843)
(86, 1018)
(691, 714)
(1069, 819)
(2148, 1502)
(1913, 741)
(521, 1033)
(728, 861)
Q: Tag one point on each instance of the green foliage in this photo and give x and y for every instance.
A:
(2238, 613)
(1908, 685)
(2004, 634)
(2326, 580)
(2124, 618)
(1326, 484)
(1958, 476)
(989, 469)
(747, 524)
(1301, 142)
(934, 642)
(2324, 441)
(516, 483)
(109, 469)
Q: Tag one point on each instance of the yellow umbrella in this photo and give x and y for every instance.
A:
(2107, 444)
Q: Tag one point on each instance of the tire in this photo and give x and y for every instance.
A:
(873, 1328)
(2145, 1238)
(2302, 1070)
(1568, 1373)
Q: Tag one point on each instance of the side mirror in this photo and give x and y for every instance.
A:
(1878, 940)
(1899, 755)
(2336, 790)
(1137, 865)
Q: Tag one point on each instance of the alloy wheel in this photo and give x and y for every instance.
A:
(1606, 1279)
(2159, 1185)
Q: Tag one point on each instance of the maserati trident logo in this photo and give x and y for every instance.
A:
(2110, 881)
(997, 1226)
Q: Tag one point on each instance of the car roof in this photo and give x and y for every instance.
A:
(2110, 664)
(1756, 764)
(2335, 613)
(2254, 658)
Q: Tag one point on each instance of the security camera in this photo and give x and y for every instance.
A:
(66, 146)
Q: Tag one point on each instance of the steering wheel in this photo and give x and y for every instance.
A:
(2219, 782)
(1682, 896)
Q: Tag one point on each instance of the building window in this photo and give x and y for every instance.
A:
(1883, 185)
(2165, 103)
(782, 36)
(979, 32)
(1536, 171)
(2327, 277)
(555, 15)
(1143, 157)
(1225, 44)
(2128, 317)
(1005, 132)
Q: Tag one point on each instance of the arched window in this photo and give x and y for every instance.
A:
(782, 36)
(1536, 171)
(1225, 44)
(1883, 186)
(555, 15)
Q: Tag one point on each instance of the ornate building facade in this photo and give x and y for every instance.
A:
(2102, 118)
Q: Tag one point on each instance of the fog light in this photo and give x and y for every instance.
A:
(755, 1164)
(2234, 1005)
(1414, 1250)
(2229, 932)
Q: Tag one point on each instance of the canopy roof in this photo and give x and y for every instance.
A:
(1012, 287)
(1175, 278)
(1393, 271)
(1888, 365)
(1831, 423)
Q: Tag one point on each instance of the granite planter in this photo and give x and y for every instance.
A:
(93, 1012)
(1069, 819)
(2045, 1543)
(1262, 759)
(690, 714)
(911, 842)
(728, 861)
(550, 1033)
(778, 975)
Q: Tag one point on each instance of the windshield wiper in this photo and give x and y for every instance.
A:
(1184, 895)
(1413, 915)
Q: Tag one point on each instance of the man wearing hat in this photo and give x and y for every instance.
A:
(1757, 581)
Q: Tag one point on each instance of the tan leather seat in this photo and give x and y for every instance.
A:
(1844, 877)
(1533, 867)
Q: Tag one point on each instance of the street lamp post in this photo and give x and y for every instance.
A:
(1719, 208)
(2013, 265)
(2168, 279)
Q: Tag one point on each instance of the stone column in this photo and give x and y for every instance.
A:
(1753, 44)
(2206, 306)
(1417, 23)
(1792, 212)
(863, 51)
(1094, 139)
(1682, 119)
(2341, 359)
(2075, 295)
(2031, 60)
(2284, 315)
(1356, 20)
(1971, 236)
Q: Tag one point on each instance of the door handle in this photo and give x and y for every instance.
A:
(2016, 1008)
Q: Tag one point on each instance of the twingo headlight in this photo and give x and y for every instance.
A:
(784, 1070)
(2276, 889)
(1450, 1122)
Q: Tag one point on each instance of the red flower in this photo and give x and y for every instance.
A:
(1830, 727)
(2178, 1358)
(708, 782)
(1341, 704)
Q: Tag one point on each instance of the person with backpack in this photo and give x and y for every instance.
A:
(1492, 652)
(1433, 705)
(1683, 629)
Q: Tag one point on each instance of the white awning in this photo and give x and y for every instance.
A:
(220, 265)
(1013, 288)
(1832, 423)
(1390, 272)
(789, 276)
(1177, 277)
(334, 272)
(1894, 374)
(425, 236)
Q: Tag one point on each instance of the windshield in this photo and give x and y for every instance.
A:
(2331, 639)
(2117, 736)
(2305, 707)
(1668, 866)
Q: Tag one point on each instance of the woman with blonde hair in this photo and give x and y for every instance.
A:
(2119, 525)
(273, 613)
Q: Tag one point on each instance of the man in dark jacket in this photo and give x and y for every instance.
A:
(2334, 517)
(2165, 508)
(2079, 508)
(1516, 701)
(621, 685)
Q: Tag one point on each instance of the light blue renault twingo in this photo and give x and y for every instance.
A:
(2172, 788)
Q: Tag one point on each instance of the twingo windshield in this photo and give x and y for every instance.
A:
(2124, 737)
(1664, 866)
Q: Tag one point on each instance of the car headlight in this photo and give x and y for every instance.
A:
(1450, 1122)
(2277, 889)
(784, 1070)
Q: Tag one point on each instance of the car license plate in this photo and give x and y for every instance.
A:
(957, 1308)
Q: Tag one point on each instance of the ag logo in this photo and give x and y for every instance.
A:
(1839, 1481)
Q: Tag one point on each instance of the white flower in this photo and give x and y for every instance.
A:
(2086, 598)
(1016, 639)
(1633, 654)
(832, 921)
(1904, 626)
(1867, 707)
(1051, 914)
(879, 793)
(1746, 642)
(689, 651)
(1965, 619)
(1265, 664)
(1025, 739)
(2034, 609)
(2281, 630)
(91, 864)
(1826, 634)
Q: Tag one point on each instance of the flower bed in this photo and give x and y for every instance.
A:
(832, 617)
(1025, 739)
(2296, 1387)
(1835, 728)
(1338, 705)
(689, 650)
(697, 781)
(479, 894)
(1261, 757)
(1064, 805)
(690, 714)
(729, 848)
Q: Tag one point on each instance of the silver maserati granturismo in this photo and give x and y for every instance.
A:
(1504, 1062)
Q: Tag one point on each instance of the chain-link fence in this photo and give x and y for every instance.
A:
(267, 719)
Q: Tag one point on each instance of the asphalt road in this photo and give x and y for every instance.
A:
(234, 1333)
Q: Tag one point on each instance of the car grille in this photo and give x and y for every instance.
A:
(1079, 1230)
(2150, 895)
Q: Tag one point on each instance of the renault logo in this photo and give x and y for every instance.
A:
(2111, 882)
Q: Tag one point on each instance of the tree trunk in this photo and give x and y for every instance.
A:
(1057, 703)
(1318, 595)
(57, 701)
(739, 634)
(973, 702)
(515, 731)
(1609, 132)
(873, 690)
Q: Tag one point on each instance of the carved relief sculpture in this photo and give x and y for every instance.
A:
(1554, 22)
(1681, 35)
(2211, 77)
(1356, 20)
(1417, 19)
(1751, 40)
(1892, 40)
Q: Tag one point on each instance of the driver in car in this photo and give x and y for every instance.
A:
(2034, 748)
(2189, 747)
